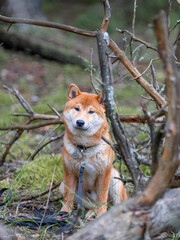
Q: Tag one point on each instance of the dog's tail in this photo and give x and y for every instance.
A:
(117, 191)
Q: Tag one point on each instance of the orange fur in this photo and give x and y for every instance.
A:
(86, 123)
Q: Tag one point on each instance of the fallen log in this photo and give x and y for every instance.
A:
(126, 222)
(16, 42)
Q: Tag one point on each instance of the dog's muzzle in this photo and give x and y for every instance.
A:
(80, 124)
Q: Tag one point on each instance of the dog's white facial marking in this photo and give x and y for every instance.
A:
(92, 121)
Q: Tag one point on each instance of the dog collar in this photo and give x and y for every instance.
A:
(81, 148)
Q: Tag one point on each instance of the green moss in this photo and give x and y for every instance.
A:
(4, 98)
(36, 175)
(146, 170)
(39, 173)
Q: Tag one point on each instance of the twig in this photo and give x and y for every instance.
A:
(155, 148)
(32, 126)
(37, 116)
(48, 24)
(12, 141)
(149, 65)
(134, 17)
(36, 195)
(144, 84)
(168, 15)
(175, 25)
(141, 118)
(54, 110)
(148, 45)
(107, 15)
(53, 139)
(91, 72)
(154, 77)
(23, 102)
(149, 121)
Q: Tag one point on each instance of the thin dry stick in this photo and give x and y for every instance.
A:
(12, 141)
(32, 126)
(149, 65)
(148, 45)
(153, 73)
(91, 72)
(168, 15)
(20, 98)
(39, 194)
(53, 139)
(134, 17)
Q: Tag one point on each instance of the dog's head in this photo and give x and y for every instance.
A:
(84, 113)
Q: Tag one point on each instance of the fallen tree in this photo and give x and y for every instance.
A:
(13, 41)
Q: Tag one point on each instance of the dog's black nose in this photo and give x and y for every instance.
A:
(80, 123)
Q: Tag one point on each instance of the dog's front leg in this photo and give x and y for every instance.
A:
(69, 188)
(102, 191)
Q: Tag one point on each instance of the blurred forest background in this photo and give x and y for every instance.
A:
(50, 59)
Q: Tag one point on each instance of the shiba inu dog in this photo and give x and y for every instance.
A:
(85, 122)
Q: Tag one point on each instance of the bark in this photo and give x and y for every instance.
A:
(169, 159)
(15, 42)
(122, 222)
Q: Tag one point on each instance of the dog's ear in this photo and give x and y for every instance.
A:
(100, 98)
(73, 92)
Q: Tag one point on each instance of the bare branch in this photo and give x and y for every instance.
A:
(12, 141)
(39, 194)
(48, 24)
(148, 45)
(169, 160)
(23, 102)
(107, 15)
(32, 126)
(147, 86)
(134, 17)
(141, 118)
(53, 139)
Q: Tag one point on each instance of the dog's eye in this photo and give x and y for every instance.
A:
(77, 109)
(91, 112)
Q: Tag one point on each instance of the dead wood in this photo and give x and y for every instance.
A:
(124, 222)
(16, 42)
(39, 194)
(135, 73)
(169, 160)
(124, 148)
(64, 27)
